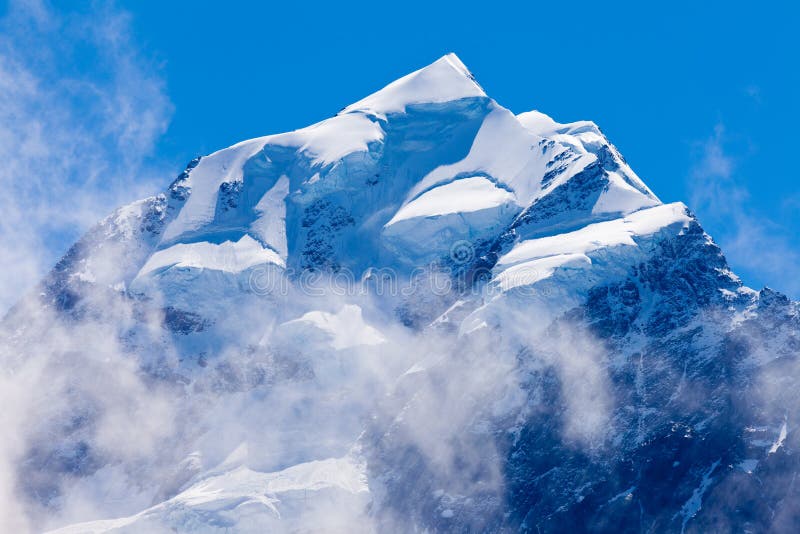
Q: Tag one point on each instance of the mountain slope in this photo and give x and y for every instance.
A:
(424, 313)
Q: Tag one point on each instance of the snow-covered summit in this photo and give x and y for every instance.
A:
(399, 176)
(445, 80)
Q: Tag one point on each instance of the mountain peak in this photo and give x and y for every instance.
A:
(444, 80)
(286, 316)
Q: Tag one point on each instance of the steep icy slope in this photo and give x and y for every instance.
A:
(424, 313)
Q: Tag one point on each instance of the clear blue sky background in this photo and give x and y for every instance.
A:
(700, 97)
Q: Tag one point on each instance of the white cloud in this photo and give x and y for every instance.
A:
(80, 111)
(756, 245)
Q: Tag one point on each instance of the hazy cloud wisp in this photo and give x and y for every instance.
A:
(81, 108)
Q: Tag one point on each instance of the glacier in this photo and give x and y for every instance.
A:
(425, 313)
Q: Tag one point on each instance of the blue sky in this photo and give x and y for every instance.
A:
(700, 97)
